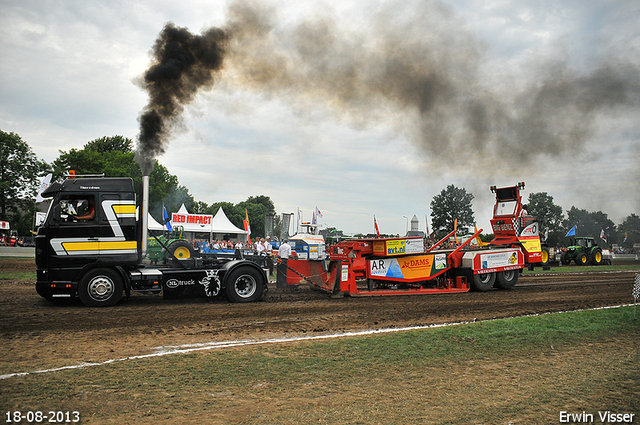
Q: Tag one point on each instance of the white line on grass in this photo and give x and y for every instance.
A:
(189, 348)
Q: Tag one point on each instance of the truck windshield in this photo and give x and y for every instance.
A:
(77, 208)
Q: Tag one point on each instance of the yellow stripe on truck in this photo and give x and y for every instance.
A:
(81, 246)
(99, 246)
(106, 246)
(124, 209)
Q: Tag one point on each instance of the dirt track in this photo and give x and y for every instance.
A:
(36, 334)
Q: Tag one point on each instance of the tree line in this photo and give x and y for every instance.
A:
(21, 173)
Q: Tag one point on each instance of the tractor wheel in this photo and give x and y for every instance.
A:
(596, 257)
(507, 279)
(564, 259)
(483, 282)
(546, 258)
(100, 288)
(182, 250)
(244, 285)
(581, 259)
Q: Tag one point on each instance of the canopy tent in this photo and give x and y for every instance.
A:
(216, 226)
(152, 224)
(221, 224)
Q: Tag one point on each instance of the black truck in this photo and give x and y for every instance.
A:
(92, 245)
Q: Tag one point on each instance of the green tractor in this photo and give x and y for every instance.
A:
(176, 244)
(583, 251)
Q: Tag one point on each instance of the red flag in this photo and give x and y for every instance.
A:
(247, 227)
(375, 224)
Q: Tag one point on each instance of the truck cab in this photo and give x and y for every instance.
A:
(90, 222)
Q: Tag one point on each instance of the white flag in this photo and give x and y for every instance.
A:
(43, 186)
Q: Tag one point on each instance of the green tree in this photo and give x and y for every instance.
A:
(20, 175)
(629, 229)
(114, 157)
(590, 223)
(549, 215)
(111, 156)
(257, 207)
(451, 204)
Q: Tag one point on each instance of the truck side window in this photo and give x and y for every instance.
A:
(77, 209)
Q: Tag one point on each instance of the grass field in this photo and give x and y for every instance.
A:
(519, 371)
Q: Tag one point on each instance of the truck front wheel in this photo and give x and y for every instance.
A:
(245, 285)
(100, 288)
(484, 281)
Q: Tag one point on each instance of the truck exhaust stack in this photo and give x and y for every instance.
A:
(145, 216)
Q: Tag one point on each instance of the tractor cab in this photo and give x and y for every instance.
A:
(584, 242)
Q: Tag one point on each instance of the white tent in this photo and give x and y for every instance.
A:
(222, 225)
(153, 224)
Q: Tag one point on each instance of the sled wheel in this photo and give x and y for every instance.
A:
(507, 279)
(483, 282)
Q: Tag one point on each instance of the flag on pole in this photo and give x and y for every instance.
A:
(426, 223)
(455, 230)
(166, 219)
(46, 181)
(603, 236)
(546, 234)
(626, 235)
(247, 226)
(571, 232)
(375, 225)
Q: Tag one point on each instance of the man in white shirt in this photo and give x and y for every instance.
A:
(260, 247)
(285, 250)
(267, 245)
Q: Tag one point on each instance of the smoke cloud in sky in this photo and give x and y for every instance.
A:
(420, 73)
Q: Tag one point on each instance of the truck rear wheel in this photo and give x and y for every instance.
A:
(245, 285)
(100, 288)
(507, 279)
(483, 282)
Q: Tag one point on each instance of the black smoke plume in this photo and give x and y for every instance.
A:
(413, 68)
(182, 64)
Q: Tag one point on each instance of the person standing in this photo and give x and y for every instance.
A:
(284, 251)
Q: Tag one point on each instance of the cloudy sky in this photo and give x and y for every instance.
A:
(360, 108)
